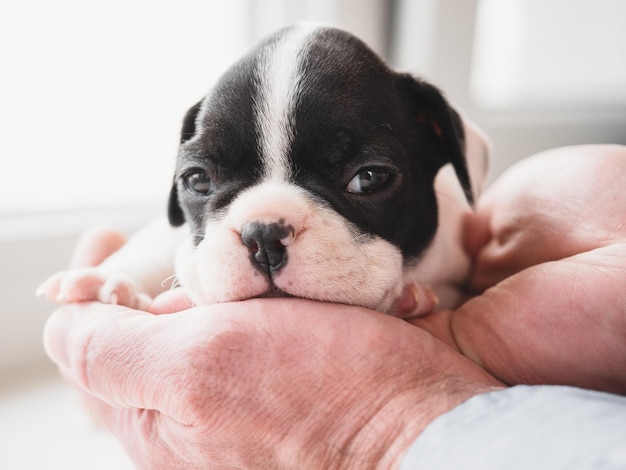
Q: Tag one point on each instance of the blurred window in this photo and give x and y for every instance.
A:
(92, 95)
(531, 53)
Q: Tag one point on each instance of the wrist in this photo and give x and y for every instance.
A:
(393, 429)
(379, 419)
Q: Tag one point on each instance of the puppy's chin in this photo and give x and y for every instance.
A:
(327, 259)
(238, 280)
(272, 293)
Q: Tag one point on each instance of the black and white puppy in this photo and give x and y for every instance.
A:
(310, 170)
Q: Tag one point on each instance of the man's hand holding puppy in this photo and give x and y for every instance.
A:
(283, 383)
(550, 247)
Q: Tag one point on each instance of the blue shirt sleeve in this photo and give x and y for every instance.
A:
(526, 427)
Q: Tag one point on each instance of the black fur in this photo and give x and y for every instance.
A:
(353, 113)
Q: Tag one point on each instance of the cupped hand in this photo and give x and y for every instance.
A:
(550, 273)
(288, 383)
(274, 383)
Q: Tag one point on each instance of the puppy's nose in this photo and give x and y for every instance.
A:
(266, 243)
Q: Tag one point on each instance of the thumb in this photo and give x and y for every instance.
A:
(561, 322)
(94, 246)
(126, 358)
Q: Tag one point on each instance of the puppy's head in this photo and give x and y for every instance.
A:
(308, 171)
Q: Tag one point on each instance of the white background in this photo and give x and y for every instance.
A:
(92, 96)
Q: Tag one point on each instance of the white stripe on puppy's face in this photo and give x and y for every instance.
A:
(280, 81)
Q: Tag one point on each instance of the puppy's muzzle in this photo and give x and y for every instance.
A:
(267, 244)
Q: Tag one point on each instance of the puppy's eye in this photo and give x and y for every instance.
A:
(198, 182)
(368, 181)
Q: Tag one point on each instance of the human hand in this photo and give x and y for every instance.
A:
(278, 383)
(275, 383)
(206, 387)
(550, 245)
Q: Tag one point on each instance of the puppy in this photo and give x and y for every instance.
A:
(310, 170)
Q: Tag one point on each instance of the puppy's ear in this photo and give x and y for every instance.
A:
(189, 123)
(432, 111)
(174, 211)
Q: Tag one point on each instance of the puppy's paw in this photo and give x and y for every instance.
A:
(89, 284)
(415, 301)
(119, 290)
(75, 285)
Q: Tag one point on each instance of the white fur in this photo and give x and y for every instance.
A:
(326, 259)
(280, 82)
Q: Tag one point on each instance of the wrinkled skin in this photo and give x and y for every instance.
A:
(550, 247)
(286, 383)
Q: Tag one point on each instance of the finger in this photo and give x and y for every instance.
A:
(552, 206)
(124, 357)
(438, 325)
(476, 230)
(94, 246)
(135, 430)
(559, 322)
